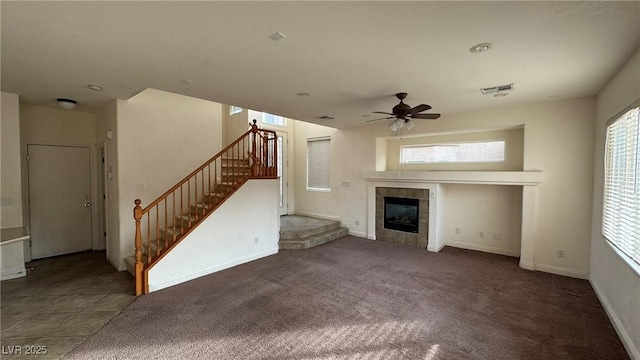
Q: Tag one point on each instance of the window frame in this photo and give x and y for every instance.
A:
(309, 141)
(632, 260)
(233, 109)
(504, 153)
(265, 114)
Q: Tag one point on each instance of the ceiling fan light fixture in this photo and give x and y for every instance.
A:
(410, 124)
(66, 104)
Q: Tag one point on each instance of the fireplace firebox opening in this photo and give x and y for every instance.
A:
(401, 214)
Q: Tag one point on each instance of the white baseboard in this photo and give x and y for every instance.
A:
(210, 270)
(371, 237)
(435, 248)
(319, 216)
(562, 271)
(632, 349)
(358, 233)
(483, 248)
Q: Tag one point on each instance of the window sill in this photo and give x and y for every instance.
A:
(632, 264)
(318, 190)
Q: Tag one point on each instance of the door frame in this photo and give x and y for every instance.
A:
(26, 210)
(285, 170)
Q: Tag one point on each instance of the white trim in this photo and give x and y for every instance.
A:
(633, 352)
(483, 248)
(562, 271)
(360, 234)
(315, 215)
(458, 177)
(234, 262)
(635, 268)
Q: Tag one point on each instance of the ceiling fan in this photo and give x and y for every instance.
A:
(403, 113)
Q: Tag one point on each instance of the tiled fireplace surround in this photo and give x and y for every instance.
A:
(431, 181)
(418, 240)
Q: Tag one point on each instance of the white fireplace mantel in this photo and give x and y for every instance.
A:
(459, 177)
(529, 180)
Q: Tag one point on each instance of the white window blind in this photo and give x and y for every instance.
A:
(621, 207)
(319, 164)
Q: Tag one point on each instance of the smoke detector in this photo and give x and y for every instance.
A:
(497, 89)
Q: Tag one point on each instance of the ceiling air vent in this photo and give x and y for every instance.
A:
(497, 89)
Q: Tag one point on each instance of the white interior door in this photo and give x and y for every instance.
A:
(282, 172)
(60, 199)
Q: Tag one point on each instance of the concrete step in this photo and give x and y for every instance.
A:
(313, 240)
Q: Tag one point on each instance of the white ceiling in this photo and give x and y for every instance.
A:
(351, 57)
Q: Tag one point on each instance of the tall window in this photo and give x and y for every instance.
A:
(482, 151)
(319, 164)
(235, 110)
(621, 207)
(273, 119)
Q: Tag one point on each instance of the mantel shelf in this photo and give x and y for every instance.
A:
(458, 177)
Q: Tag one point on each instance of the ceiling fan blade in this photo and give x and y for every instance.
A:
(381, 112)
(425, 116)
(420, 108)
(384, 118)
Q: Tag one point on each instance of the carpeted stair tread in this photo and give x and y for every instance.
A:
(313, 240)
(297, 227)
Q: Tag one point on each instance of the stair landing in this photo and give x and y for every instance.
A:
(303, 232)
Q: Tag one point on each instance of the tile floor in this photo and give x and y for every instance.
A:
(61, 302)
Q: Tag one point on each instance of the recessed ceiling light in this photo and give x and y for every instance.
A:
(326, 117)
(95, 87)
(500, 94)
(366, 115)
(277, 36)
(187, 82)
(303, 94)
(480, 48)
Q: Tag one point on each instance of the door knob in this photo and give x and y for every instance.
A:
(87, 204)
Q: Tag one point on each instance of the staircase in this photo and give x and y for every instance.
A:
(302, 232)
(233, 173)
(170, 218)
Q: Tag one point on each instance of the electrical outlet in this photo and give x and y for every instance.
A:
(481, 234)
(142, 185)
(457, 231)
(255, 240)
(357, 222)
(497, 236)
(560, 253)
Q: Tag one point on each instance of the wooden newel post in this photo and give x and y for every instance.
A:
(137, 215)
(254, 146)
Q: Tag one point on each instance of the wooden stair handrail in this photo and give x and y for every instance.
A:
(254, 129)
(258, 156)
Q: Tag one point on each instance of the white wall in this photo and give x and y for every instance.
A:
(513, 150)
(615, 282)
(106, 120)
(57, 125)
(493, 210)
(53, 126)
(11, 178)
(224, 239)
(233, 125)
(558, 140)
(162, 137)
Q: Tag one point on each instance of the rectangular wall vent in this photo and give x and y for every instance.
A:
(497, 89)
